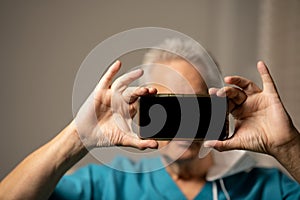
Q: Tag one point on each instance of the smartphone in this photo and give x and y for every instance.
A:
(183, 117)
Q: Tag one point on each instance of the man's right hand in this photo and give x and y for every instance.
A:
(105, 117)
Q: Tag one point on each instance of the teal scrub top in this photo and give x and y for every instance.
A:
(103, 182)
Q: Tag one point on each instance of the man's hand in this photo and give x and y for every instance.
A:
(261, 121)
(105, 118)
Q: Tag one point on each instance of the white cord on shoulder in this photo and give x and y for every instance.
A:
(215, 191)
(224, 189)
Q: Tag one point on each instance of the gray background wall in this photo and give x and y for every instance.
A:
(42, 44)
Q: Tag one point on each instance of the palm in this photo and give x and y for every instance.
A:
(262, 124)
(105, 117)
(261, 110)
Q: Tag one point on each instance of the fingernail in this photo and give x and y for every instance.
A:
(138, 71)
(221, 93)
(208, 144)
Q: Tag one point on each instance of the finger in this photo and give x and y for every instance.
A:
(107, 78)
(213, 91)
(142, 91)
(268, 83)
(221, 92)
(152, 90)
(248, 86)
(236, 95)
(134, 141)
(129, 92)
(122, 82)
(132, 99)
(225, 145)
(231, 106)
(133, 93)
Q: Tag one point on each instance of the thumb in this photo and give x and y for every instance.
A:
(268, 83)
(133, 141)
(225, 145)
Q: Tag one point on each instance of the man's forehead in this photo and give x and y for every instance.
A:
(177, 76)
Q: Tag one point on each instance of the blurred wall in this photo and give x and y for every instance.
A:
(44, 42)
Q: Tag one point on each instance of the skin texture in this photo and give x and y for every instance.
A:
(256, 111)
(108, 104)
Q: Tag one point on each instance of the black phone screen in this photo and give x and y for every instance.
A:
(169, 116)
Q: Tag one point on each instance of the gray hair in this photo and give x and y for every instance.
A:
(189, 50)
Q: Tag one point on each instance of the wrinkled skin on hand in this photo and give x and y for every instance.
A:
(106, 116)
(261, 121)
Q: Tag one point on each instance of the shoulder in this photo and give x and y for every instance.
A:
(264, 183)
(260, 176)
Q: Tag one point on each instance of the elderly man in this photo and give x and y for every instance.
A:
(184, 175)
